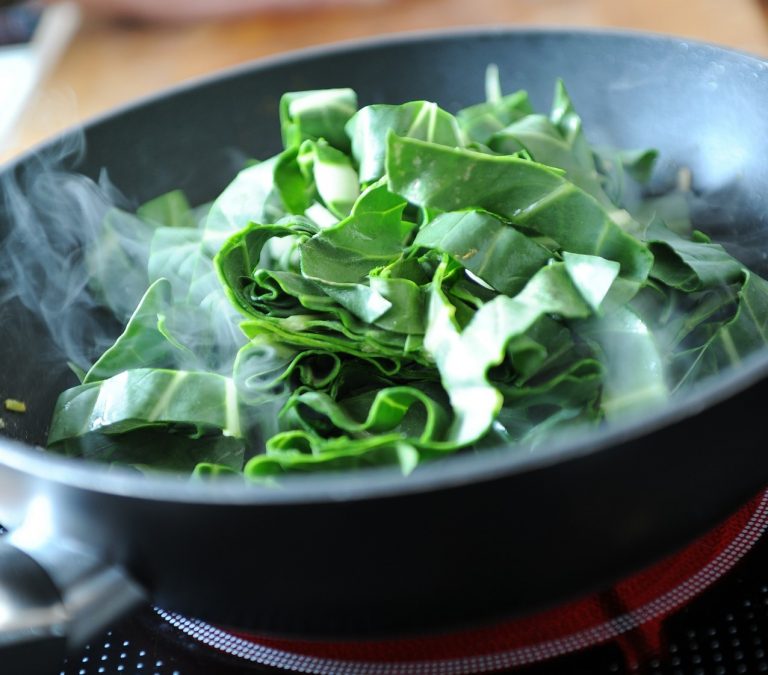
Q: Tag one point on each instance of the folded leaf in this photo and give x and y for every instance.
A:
(418, 119)
(147, 398)
(251, 197)
(545, 144)
(333, 175)
(523, 192)
(240, 254)
(373, 235)
(635, 374)
(479, 122)
(689, 265)
(202, 318)
(550, 403)
(152, 450)
(463, 358)
(117, 265)
(386, 410)
(145, 342)
(568, 123)
(302, 451)
(491, 249)
(311, 115)
(735, 340)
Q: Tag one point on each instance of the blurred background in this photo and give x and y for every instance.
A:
(63, 62)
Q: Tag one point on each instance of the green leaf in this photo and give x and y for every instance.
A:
(333, 175)
(618, 166)
(689, 265)
(568, 123)
(635, 373)
(526, 193)
(532, 409)
(309, 331)
(153, 450)
(481, 121)
(592, 275)
(546, 144)
(264, 368)
(407, 302)
(361, 300)
(405, 409)
(240, 254)
(463, 358)
(203, 319)
(210, 470)
(145, 342)
(373, 235)
(639, 164)
(487, 246)
(147, 398)
(171, 210)
(251, 196)
(417, 119)
(316, 114)
(673, 209)
(735, 340)
(300, 451)
(117, 264)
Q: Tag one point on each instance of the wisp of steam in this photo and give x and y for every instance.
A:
(66, 234)
(55, 215)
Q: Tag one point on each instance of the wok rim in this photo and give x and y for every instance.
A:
(375, 483)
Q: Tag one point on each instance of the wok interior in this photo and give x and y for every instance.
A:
(701, 107)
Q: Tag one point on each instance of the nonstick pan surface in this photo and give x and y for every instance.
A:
(464, 540)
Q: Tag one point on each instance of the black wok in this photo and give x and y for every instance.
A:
(461, 541)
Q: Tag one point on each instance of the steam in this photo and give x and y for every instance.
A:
(54, 216)
(77, 256)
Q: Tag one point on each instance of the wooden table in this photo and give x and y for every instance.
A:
(109, 63)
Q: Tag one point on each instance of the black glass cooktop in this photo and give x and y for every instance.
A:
(722, 632)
